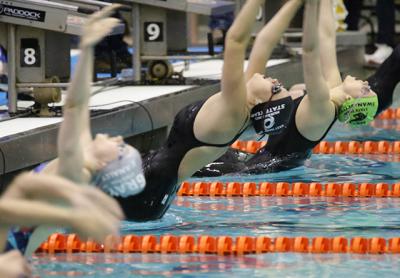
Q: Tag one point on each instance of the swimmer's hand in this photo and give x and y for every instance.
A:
(55, 200)
(14, 265)
(96, 215)
(98, 26)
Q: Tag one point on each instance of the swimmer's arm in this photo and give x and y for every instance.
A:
(55, 201)
(316, 112)
(74, 133)
(236, 42)
(317, 88)
(31, 213)
(76, 120)
(327, 41)
(42, 187)
(34, 213)
(269, 37)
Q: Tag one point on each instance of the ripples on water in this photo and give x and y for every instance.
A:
(332, 168)
(288, 216)
(169, 220)
(266, 265)
(268, 216)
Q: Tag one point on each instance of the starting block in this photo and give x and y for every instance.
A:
(36, 34)
(160, 30)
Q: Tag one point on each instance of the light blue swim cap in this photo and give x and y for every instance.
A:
(122, 177)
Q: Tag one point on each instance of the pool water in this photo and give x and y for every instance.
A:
(267, 216)
(265, 265)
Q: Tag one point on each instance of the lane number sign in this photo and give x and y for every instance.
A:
(30, 53)
(153, 31)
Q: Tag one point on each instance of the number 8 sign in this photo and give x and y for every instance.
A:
(30, 53)
(153, 32)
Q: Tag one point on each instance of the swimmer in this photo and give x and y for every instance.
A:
(203, 131)
(328, 98)
(105, 161)
(40, 199)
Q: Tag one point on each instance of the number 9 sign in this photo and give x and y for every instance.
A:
(153, 32)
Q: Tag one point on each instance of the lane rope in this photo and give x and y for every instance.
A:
(220, 245)
(336, 147)
(286, 189)
(390, 114)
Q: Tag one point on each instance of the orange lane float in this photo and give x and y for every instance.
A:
(390, 114)
(285, 189)
(248, 146)
(223, 245)
(356, 147)
(337, 147)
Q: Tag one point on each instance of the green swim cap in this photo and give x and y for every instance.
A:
(358, 111)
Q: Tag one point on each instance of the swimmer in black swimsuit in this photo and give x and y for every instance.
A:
(162, 166)
(289, 149)
(200, 133)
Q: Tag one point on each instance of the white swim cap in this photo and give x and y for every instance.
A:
(122, 177)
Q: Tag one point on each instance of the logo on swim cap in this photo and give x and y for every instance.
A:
(359, 111)
(122, 177)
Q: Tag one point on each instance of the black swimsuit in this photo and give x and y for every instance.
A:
(161, 168)
(290, 149)
(282, 152)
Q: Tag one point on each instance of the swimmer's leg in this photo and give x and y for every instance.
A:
(385, 79)
(231, 162)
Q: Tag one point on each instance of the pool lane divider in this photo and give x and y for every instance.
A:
(285, 189)
(390, 114)
(220, 245)
(336, 147)
(356, 147)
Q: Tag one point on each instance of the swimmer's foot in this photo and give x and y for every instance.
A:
(382, 52)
